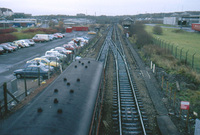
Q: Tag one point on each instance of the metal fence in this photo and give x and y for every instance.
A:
(185, 56)
(14, 91)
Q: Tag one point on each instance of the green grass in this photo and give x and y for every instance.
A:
(187, 41)
(20, 35)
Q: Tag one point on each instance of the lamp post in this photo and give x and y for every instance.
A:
(38, 64)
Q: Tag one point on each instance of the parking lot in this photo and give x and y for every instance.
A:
(9, 62)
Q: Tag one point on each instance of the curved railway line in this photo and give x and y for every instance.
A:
(128, 113)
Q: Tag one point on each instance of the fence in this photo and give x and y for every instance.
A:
(173, 103)
(16, 90)
(185, 56)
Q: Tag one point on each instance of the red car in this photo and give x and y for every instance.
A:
(68, 47)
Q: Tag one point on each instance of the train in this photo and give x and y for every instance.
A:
(70, 105)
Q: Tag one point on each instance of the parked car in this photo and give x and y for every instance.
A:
(32, 71)
(41, 64)
(11, 46)
(69, 47)
(6, 48)
(45, 61)
(30, 41)
(52, 58)
(24, 43)
(59, 35)
(51, 37)
(36, 39)
(19, 44)
(55, 53)
(62, 50)
(1, 50)
(45, 37)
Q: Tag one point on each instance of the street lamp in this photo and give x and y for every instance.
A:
(38, 64)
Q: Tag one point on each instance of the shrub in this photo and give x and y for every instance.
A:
(43, 30)
(4, 31)
(157, 30)
(141, 36)
(7, 38)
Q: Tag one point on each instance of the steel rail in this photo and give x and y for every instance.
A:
(132, 87)
(118, 96)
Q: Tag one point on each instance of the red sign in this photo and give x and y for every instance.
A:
(185, 105)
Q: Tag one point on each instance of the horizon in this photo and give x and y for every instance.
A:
(98, 8)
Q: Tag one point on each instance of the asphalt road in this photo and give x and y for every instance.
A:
(12, 61)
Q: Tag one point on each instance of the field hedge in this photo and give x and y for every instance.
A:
(10, 30)
(7, 38)
(9, 35)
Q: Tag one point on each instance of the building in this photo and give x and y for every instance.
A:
(170, 20)
(19, 22)
(6, 12)
(26, 20)
(185, 19)
(127, 22)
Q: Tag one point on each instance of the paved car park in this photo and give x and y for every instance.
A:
(12, 61)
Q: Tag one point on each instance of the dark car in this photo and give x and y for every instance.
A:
(6, 48)
(32, 71)
(1, 50)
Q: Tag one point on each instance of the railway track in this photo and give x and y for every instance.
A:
(128, 113)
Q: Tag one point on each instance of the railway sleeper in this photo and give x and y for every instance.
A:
(124, 80)
(127, 101)
(131, 128)
(115, 115)
(132, 124)
(128, 106)
(133, 132)
(126, 92)
(130, 117)
(127, 97)
(125, 112)
(130, 98)
(125, 86)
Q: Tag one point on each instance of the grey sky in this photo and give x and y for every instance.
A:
(100, 7)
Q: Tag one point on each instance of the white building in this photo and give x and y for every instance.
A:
(170, 20)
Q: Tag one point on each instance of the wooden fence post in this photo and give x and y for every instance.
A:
(5, 97)
(162, 81)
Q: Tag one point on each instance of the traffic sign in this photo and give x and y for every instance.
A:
(185, 105)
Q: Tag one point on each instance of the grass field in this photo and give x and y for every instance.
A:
(187, 41)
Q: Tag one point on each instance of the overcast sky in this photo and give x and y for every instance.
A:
(100, 7)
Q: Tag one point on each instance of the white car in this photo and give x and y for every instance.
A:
(63, 50)
(52, 58)
(22, 42)
(55, 53)
(29, 41)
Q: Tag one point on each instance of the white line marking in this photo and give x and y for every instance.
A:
(142, 73)
(148, 74)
